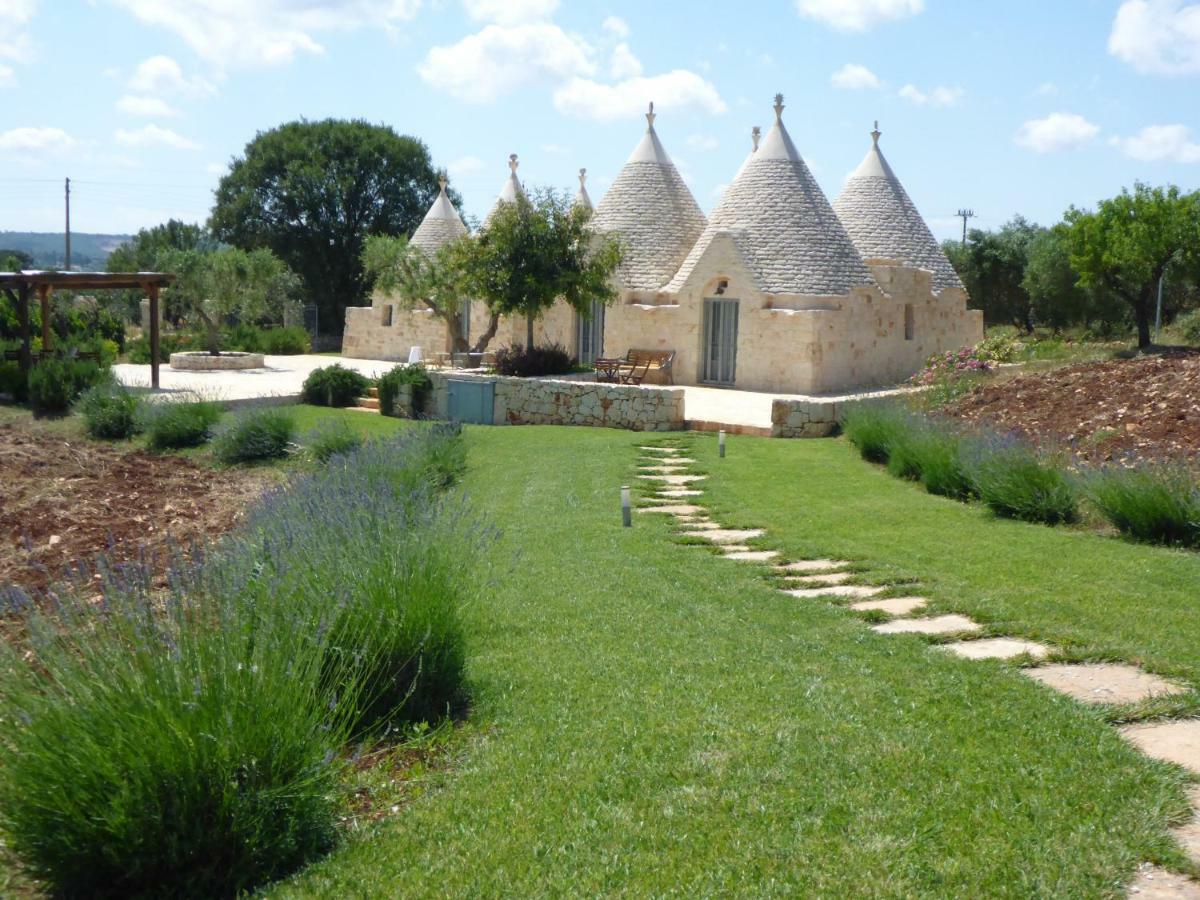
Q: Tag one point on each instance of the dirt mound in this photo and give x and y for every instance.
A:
(1147, 407)
(65, 500)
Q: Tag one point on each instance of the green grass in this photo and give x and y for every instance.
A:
(650, 719)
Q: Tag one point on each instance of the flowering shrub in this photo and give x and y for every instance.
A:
(952, 364)
(1000, 348)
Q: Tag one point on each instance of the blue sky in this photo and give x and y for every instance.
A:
(1024, 106)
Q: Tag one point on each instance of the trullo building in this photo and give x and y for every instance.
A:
(778, 290)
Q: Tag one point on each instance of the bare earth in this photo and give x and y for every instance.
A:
(1143, 407)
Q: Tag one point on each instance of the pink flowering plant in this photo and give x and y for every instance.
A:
(952, 365)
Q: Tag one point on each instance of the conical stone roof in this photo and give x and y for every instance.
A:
(441, 224)
(654, 213)
(582, 198)
(786, 230)
(510, 191)
(883, 223)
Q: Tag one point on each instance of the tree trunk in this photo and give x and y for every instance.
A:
(529, 331)
(1141, 313)
(486, 337)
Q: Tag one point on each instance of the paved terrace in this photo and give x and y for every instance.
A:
(707, 408)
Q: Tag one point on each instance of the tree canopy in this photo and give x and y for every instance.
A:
(142, 252)
(537, 250)
(312, 192)
(1126, 245)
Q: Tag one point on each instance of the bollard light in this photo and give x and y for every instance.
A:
(626, 507)
(721, 443)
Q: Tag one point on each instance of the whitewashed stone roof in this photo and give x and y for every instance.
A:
(441, 224)
(582, 198)
(883, 222)
(788, 234)
(510, 191)
(654, 213)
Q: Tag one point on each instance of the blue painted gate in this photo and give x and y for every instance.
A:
(470, 401)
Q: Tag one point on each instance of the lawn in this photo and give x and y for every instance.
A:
(650, 719)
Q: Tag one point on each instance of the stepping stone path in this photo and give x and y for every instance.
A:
(1103, 682)
(1176, 741)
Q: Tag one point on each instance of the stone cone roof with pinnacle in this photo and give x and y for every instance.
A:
(883, 223)
(582, 198)
(787, 232)
(510, 191)
(441, 224)
(654, 213)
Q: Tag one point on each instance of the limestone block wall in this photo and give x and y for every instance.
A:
(662, 327)
(804, 418)
(537, 401)
(366, 337)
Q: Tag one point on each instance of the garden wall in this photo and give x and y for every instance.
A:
(537, 401)
(804, 418)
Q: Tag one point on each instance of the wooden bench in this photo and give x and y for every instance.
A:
(652, 365)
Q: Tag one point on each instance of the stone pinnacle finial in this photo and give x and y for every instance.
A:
(442, 183)
(755, 136)
(650, 117)
(582, 178)
(779, 107)
(876, 133)
(512, 163)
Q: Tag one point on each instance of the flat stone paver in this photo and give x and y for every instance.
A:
(854, 591)
(678, 492)
(731, 535)
(896, 606)
(811, 565)
(950, 624)
(667, 462)
(1103, 682)
(699, 525)
(1155, 883)
(662, 449)
(752, 555)
(997, 648)
(1175, 741)
(1188, 835)
(663, 470)
(822, 578)
(673, 479)
(673, 509)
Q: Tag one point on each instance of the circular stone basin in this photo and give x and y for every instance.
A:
(203, 361)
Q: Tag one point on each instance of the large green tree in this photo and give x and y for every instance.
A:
(537, 250)
(1058, 297)
(312, 192)
(440, 281)
(141, 253)
(992, 266)
(1127, 244)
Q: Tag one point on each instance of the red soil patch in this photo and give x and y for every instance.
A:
(1147, 407)
(65, 500)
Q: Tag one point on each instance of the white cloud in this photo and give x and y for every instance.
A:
(485, 65)
(510, 12)
(624, 64)
(858, 15)
(1157, 37)
(853, 77)
(702, 141)
(15, 43)
(7, 79)
(27, 138)
(617, 27)
(672, 91)
(154, 136)
(1056, 132)
(464, 165)
(250, 33)
(162, 75)
(144, 106)
(939, 96)
(1046, 89)
(1160, 143)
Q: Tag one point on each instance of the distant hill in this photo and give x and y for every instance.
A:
(88, 251)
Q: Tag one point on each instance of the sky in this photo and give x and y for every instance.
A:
(1017, 107)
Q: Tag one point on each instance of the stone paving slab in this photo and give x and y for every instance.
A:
(730, 535)
(673, 479)
(854, 591)
(752, 555)
(663, 470)
(1188, 835)
(729, 549)
(662, 449)
(811, 565)
(950, 624)
(668, 462)
(675, 509)
(1103, 682)
(997, 648)
(1175, 741)
(821, 578)
(1155, 883)
(677, 492)
(896, 606)
(699, 525)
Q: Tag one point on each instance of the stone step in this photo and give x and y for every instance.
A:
(675, 509)
(673, 479)
(752, 555)
(1103, 682)
(820, 579)
(811, 565)
(896, 606)
(1156, 883)
(853, 591)
(1176, 741)
(368, 403)
(373, 392)
(950, 624)
(997, 648)
(730, 535)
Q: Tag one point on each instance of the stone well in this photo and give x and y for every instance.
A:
(203, 361)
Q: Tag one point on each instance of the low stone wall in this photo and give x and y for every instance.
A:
(537, 401)
(202, 361)
(804, 418)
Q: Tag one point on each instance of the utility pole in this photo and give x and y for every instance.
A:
(965, 214)
(68, 200)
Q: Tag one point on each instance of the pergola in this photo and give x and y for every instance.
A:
(21, 286)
